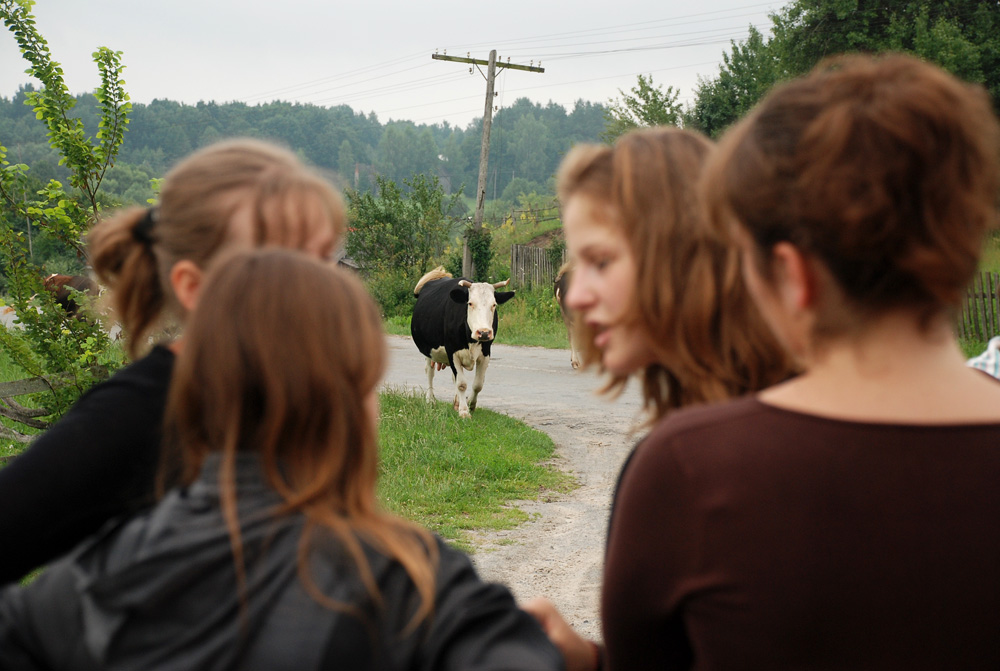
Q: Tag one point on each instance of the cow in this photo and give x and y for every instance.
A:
(559, 288)
(63, 286)
(454, 323)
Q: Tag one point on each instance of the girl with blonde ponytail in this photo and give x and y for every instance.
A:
(100, 460)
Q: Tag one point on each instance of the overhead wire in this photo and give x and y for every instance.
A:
(344, 87)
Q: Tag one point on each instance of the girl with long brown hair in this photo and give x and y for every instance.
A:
(100, 459)
(274, 553)
(656, 292)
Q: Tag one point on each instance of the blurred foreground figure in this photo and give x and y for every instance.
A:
(845, 519)
(273, 554)
(99, 460)
(656, 293)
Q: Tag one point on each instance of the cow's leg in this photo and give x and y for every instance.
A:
(574, 355)
(482, 363)
(429, 366)
(460, 386)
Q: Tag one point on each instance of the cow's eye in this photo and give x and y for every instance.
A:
(471, 304)
(493, 308)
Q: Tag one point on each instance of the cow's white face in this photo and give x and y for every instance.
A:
(481, 301)
(482, 306)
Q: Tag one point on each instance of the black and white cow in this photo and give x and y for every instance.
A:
(454, 323)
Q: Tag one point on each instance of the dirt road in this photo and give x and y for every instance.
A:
(559, 554)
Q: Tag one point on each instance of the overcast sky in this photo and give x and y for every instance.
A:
(375, 55)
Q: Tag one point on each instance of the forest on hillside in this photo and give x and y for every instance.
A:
(526, 144)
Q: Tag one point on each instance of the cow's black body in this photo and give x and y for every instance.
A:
(440, 321)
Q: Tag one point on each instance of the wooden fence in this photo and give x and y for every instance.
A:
(532, 266)
(980, 317)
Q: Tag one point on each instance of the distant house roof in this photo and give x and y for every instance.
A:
(344, 260)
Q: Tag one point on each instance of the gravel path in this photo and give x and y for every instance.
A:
(559, 554)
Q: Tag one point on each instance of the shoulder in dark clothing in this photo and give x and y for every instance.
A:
(97, 462)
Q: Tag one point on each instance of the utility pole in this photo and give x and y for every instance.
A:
(468, 267)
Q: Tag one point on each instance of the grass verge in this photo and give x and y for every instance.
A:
(453, 475)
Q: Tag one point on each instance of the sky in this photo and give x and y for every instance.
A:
(375, 55)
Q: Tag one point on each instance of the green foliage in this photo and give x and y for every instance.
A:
(397, 230)
(555, 252)
(962, 36)
(392, 289)
(647, 105)
(972, 347)
(454, 475)
(453, 264)
(745, 75)
(51, 344)
(525, 192)
(528, 141)
(990, 260)
(481, 249)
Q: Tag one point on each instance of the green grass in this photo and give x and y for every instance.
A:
(453, 475)
(530, 319)
(971, 347)
(519, 232)
(990, 260)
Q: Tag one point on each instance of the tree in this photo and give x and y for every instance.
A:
(63, 350)
(345, 162)
(647, 105)
(529, 141)
(744, 77)
(394, 229)
(961, 36)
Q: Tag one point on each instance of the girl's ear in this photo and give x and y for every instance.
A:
(185, 279)
(795, 278)
(794, 290)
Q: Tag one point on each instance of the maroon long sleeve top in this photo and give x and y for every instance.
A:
(746, 536)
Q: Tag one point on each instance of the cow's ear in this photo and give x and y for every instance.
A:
(503, 296)
(460, 295)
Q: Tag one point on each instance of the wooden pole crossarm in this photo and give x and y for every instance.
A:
(477, 61)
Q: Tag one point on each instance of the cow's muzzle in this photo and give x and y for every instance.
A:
(483, 335)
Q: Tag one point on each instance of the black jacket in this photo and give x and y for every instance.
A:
(97, 463)
(159, 592)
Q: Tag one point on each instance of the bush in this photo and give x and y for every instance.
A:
(393, 291)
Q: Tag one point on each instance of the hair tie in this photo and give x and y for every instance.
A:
(143, 230)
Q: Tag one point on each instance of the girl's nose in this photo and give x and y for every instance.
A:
(577, 296)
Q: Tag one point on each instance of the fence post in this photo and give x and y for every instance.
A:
(991, 304)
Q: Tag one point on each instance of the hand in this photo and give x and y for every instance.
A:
(579, 653)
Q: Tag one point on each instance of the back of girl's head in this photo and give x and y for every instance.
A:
(711, 344)
(201, 199)
(885, 169)
(279, 359)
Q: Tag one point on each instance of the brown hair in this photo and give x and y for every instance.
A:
(198, 200)
(884, 169)
(711, 344)
(292, 389)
